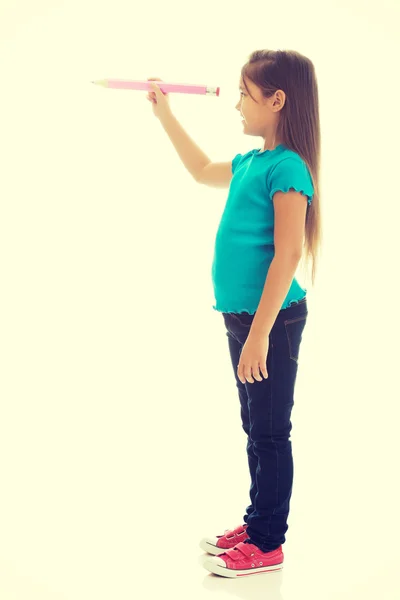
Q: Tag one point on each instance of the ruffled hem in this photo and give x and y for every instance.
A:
(286, 189)
(235, 312)
(246, 310)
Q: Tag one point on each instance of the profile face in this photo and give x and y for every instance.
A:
(260, 115)
(253, 113)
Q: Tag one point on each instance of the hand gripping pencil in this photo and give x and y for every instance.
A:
(166, 87)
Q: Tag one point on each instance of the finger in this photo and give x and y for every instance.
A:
(157, 90)
(248, 375)
(256, 371)
(151, 81)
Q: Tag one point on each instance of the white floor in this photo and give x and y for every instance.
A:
(109, 483)
(99, 538)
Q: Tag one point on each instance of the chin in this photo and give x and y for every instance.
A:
(246, 131)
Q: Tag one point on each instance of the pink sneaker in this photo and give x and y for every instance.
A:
(221, 543)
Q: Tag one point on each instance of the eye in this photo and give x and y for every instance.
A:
(242, 93)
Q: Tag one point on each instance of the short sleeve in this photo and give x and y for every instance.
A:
(240, 158)
(236, 161)
(291, 173)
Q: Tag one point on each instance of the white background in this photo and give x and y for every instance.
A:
(120, 436)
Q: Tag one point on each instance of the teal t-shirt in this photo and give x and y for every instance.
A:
(244, 244)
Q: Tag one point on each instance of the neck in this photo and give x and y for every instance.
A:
(271, 139)
(270, 145)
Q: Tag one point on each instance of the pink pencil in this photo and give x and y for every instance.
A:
(143, 84)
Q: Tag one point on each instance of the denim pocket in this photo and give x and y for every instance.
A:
(294, 329)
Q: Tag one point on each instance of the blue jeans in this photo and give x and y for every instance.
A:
(266, 408)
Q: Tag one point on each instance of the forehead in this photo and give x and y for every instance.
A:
(249, 86)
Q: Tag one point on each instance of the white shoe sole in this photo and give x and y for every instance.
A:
(217, 566)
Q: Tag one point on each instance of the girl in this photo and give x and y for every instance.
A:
(273, 201)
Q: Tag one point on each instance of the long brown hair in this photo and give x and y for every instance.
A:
(298, 126)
